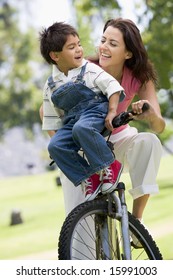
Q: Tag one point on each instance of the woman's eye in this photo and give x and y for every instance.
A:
(113, 45)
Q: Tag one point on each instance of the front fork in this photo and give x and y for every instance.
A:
(124, 222)
(108, 235)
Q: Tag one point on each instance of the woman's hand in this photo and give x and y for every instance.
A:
(147, 94)
(140, 114)
(154, 119)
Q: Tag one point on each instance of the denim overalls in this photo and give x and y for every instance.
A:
(84, 119)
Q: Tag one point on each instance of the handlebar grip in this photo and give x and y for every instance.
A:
(123, 118)
(145, 107)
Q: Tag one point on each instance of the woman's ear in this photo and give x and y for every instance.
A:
(54, 56)
(129, 55)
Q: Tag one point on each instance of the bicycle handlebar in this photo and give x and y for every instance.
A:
(123, 118)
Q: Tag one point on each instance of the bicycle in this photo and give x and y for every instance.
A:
(103, 229)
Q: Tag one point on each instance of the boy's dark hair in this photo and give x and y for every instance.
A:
(54, 38)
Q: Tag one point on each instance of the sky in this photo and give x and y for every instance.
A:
(63, 13)
(45, 13)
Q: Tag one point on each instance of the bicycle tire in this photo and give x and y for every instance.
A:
(74, 245)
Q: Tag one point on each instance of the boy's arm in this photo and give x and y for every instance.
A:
(107, 84)
(51, 117)
(112, 110)
(50, 132)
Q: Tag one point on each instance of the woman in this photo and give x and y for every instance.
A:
(122, 54)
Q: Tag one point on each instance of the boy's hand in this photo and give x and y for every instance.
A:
(108, 120)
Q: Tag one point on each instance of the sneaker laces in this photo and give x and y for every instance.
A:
(101, 174)
(107, 173)
(86, 185)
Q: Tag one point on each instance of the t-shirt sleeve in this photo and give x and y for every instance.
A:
(51, 115)
(108, 85)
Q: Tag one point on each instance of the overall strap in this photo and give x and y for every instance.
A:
(51, 82)
(81, 74)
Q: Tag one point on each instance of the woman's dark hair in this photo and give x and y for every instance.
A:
(139, 63)
(54, 38)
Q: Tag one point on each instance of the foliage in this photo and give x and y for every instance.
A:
(159, 46)
(96, 7)
(157, 38)
(90, 16)
(20, 93)
(159, 33)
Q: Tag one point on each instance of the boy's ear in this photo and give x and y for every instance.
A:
(54, 56)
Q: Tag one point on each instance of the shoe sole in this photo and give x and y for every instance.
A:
(113, 187)
(94, 194)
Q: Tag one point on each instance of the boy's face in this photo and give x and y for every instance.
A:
(71, 55)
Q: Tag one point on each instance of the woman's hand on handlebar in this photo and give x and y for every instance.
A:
(138, 112)
(125, 117)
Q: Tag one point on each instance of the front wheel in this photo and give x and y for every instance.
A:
(87, 235)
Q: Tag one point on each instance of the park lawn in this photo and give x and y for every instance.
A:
(40, 201)
(158, 215)
(41, 204)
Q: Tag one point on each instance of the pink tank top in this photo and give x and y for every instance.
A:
(131, 86)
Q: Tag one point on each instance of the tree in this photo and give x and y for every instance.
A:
(20, 93)
(90, 16)
(159, 41)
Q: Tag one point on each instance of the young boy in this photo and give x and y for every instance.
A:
(85, 98)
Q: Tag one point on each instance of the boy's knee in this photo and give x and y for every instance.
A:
(52, 146)
(77, 129)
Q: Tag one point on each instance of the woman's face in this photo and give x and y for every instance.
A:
(112, 49)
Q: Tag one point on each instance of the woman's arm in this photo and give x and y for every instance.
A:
(50, 132)
(147, 94)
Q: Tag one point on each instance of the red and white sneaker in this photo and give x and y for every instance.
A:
(111, 176)
(91, 187)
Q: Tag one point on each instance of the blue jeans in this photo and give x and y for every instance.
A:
(84, 119)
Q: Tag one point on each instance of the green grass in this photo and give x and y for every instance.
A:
(41, 204)
(158, 215)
